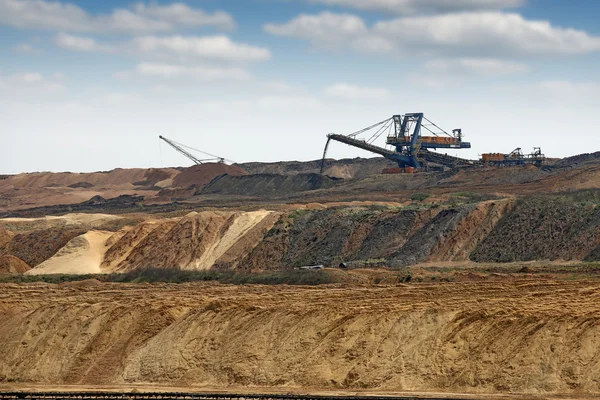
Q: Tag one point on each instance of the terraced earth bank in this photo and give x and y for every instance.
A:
(558, 227)
(524, 336)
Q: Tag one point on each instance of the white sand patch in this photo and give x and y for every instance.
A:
(240, 227)
(68, 219)
(164, 183)
(81, 255)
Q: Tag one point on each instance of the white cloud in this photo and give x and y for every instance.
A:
(30, 81)
(24, 48)
(487, 32)
(469, 34)
(434, 81)
(287, 102)
(183, 72)
(353, 92)
(564, 88)
(67, 17)
(415, 6)
(26, 78)
(218, 48)
(322, 29)
(481, 66)
(120, 98)
(182, 14)
(79, 43)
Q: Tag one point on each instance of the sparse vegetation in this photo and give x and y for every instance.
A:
(174, 275)
(420, 196)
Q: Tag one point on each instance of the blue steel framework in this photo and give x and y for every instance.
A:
(408, 153)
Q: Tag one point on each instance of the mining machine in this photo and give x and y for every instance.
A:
(180, 147)
(409, 148)
(515, 157)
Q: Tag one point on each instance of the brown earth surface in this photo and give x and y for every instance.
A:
(480, 281)
(537, 337)
(270, 184)
(200, 175)
(457, 228)
(13, 265)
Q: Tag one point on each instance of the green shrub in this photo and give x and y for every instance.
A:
(419, 196)
(176, 275)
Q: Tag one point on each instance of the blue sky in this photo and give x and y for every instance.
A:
(89, 85)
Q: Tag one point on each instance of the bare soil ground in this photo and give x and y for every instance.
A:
(537, 337)
(268, 184)
(494, 285)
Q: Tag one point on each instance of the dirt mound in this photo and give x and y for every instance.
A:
(330, 236)
(85, 185)
(37, 246)
(120, 249)
(13, 265)
(455, 337)
(155, 175)
(544, 228)
(577, 160)
(350, 168)
(503, 230)
(200, 175)
(116, 177)
(5, 237)
(167, 195)
(265, 185)
(39, 189)
(196, 242)
(96, 204)
(458, 244)
(81, 284)
(81, 255)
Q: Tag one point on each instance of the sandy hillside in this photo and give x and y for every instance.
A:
(47, 188)
(67, 220)
(200, 175)
(81, 255)
(197, 241)
(13, 265)
(459, 229)
(524, 336)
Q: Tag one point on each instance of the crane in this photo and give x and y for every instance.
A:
(180, 148)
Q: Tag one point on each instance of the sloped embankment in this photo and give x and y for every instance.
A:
(37, 246)
(13, 265)
(266, 185)
(81, 255)
(546, 228)
(502, 230)
(455, 337)
(400, 236)
(198, 241)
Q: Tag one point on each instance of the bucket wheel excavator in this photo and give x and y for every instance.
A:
(409, 148)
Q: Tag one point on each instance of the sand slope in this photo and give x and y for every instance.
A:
(13, 265)
(533, 337)
(81, 255)
(196, 241)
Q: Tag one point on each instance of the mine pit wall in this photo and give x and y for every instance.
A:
(546, 227)
(482, 338)
(401, 237)
(500, 230)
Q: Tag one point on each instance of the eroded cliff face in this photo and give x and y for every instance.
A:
(534, 337)
(546, 227)
(396, 236)
(499, 230)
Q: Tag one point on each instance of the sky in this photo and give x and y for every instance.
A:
(90, 85)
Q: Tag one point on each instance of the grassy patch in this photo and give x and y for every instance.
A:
(419, 196)
(174, 275)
